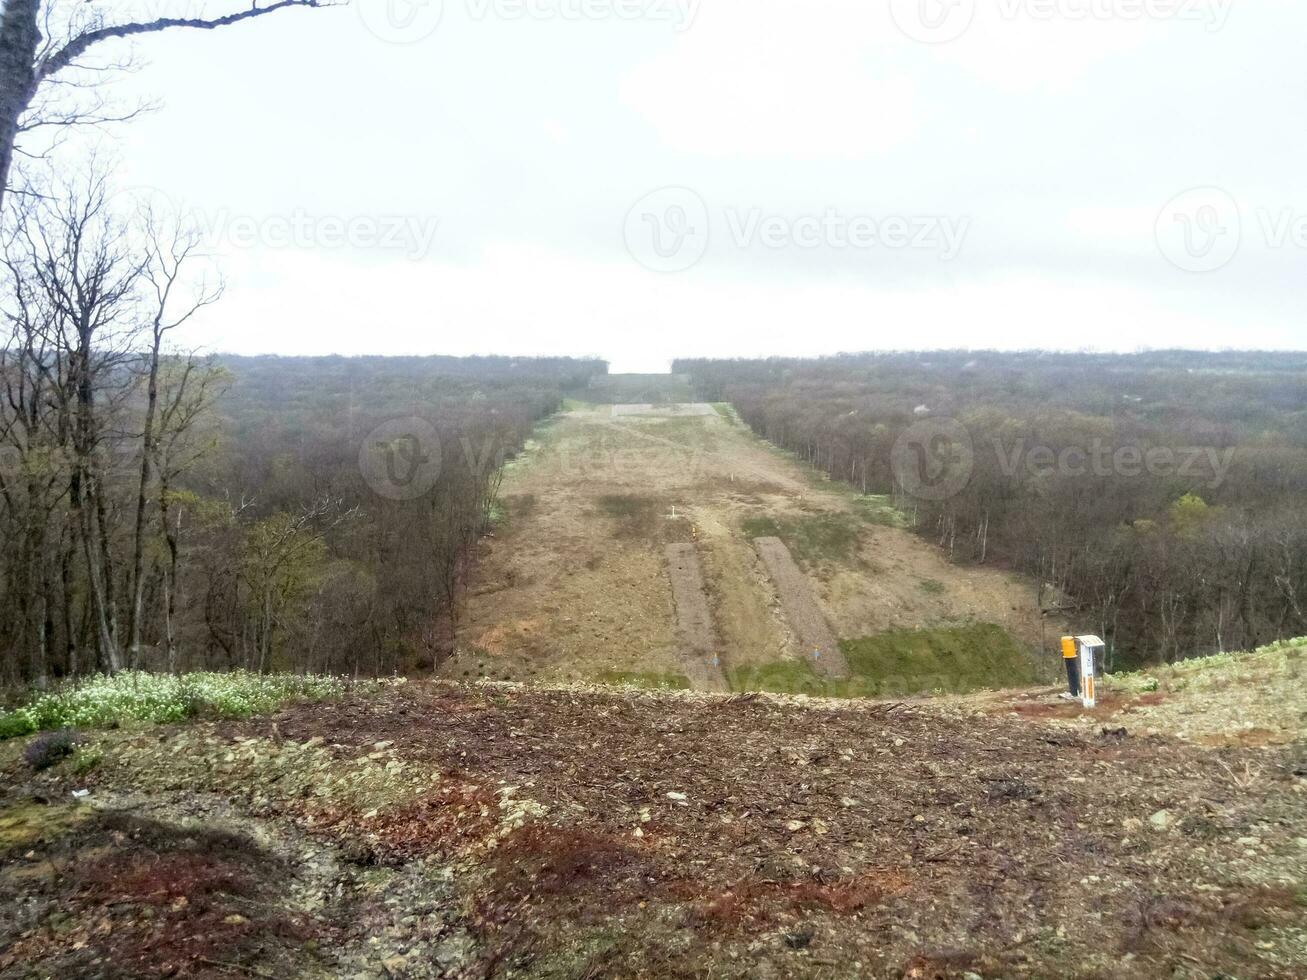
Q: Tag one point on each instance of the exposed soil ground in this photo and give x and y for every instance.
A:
(700, 648)
(498, 830)
(575, 587)
(806, 620)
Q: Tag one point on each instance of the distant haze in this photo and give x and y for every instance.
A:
(644, 180)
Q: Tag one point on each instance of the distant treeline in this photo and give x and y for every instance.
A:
(299, 513)
(1161, 497)
(637, 389)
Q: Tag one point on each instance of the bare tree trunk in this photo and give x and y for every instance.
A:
(169, 576)
(138, 544)
(66, 585)
(19, 39)
(109, 655)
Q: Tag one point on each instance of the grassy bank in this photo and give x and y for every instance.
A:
(951, 660)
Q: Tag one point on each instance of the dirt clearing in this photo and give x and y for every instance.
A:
(573, 586)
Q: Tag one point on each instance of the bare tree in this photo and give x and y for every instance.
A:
(37, 53)
(169, 252)
(186, 393)
(77, 263)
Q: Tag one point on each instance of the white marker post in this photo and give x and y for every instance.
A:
(1088, 647)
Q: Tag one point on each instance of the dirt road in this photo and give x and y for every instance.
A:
(575, 585)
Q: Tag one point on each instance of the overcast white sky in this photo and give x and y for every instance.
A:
(844, 174)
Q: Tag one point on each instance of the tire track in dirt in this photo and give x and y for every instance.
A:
(694, 625)
(817, 642)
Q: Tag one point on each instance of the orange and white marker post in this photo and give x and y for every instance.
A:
(1081, 656)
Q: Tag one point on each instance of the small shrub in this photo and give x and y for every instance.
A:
(15, 724)
(86, 758)
(50, 748)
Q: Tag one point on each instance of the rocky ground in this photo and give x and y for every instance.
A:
(494, 830)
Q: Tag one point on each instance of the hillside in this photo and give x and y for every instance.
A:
(429, 829)
(634, 547)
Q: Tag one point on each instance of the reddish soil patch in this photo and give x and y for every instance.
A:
(565, 867)
(130, 897)
(457, 816)
(1050, 706)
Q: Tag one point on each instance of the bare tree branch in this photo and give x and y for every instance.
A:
(34, 50)
(63, 57)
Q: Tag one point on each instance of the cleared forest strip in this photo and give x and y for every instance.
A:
(572, 586)
(694, 625)
(664, 411)
(817, 642)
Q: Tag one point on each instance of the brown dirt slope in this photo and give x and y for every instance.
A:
(572, 587)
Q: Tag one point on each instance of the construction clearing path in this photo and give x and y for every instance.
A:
(699, 645)
(578, 582)
(816, 641)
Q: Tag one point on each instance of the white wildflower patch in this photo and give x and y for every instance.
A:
(136, 697)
